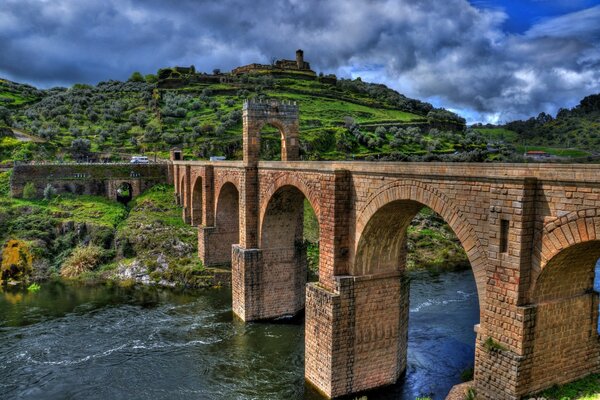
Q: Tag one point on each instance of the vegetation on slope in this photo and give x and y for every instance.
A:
(344, 120)
(573, 133)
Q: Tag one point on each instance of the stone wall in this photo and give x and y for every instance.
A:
(90, 179)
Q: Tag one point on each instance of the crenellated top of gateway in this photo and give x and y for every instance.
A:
(282, 108)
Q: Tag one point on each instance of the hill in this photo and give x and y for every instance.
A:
(573, 133)
(340, 119)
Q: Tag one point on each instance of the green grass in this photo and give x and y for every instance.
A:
(559, 152)
(587, 388)
(498, 134)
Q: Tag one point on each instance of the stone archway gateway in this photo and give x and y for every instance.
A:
(531, 232)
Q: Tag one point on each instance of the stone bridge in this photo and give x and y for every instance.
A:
(531, 233)
(100, 179)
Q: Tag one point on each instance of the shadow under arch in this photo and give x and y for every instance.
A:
(124, 192)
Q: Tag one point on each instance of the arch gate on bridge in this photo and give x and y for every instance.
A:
(531, 233)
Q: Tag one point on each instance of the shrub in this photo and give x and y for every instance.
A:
(83, 259)
(49, 192)
(29, 191)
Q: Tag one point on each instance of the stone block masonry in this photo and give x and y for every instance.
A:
(531, 233)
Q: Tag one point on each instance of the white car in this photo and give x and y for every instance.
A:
(139, 160)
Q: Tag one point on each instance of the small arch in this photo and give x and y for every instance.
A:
(197, 202)
(124, 192)
(282, 116)
(272, 145)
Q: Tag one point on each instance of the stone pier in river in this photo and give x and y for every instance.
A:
(531, 232)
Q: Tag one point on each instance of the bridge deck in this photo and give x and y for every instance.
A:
(587, 173)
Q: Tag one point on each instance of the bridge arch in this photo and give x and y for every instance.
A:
(564, 301)
(281, 283)
(227, 223)
(381, 225)
(181, 190)
(196, 205)
(292, 181)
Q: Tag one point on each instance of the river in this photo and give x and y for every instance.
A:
(71, 341)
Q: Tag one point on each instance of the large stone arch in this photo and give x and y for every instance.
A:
(196, 206)
(412, 196)
(281, 115)
(563, 302)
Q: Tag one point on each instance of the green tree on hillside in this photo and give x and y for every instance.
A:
(136, 77)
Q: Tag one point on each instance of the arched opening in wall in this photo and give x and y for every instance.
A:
(565, 337)
(416, 303)
(289, 238)
(197, 202)
(227, 224)
(124, 193)
(271, 139)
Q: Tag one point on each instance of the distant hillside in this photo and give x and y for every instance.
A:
(572, 133)
(340, 119)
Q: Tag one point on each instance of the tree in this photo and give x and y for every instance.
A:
(49, 192)
(136, 77)
(80, 148)
(151, 78)
(4, 115)
(29, 191)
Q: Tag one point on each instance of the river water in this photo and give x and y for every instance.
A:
(105, 342)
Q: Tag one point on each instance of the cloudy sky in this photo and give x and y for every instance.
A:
(489, 60)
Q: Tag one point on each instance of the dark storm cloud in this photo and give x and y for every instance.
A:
(447, 51)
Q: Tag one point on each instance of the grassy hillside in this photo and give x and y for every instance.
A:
(347, 119)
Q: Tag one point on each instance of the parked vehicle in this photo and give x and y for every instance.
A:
(139, 160)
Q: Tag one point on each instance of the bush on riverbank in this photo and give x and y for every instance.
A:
(82, 259)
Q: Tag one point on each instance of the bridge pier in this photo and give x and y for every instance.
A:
(356, 337)
(268, 283)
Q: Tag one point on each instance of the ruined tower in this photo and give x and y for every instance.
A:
(300, 59)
